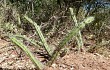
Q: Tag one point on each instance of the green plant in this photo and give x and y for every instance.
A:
(73, 32)
(34, 42)
(78, 36)
(26, 50)
(38, 64)
(42, 10)
(69, 36)
(39, 32)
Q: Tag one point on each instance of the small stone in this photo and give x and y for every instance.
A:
(54, 65)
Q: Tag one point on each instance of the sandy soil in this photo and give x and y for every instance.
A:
(81, 61)
(10, 59)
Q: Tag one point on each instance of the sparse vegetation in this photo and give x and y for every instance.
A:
(41, 23)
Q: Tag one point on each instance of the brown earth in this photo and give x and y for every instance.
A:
(9, 59)
(81, 61)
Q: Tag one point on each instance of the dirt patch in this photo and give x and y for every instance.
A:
(81, 61)
(11, 58)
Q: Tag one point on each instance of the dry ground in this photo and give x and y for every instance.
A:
(9, 59)
(81, 61)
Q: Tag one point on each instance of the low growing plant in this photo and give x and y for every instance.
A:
(78, 36)
(37, 63)
(69, 36)
(53, 55)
